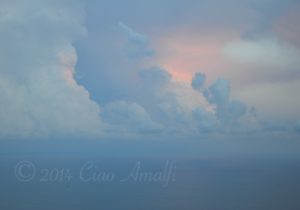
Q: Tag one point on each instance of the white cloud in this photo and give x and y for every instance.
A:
(129, 118)
(269, 69)
(41, 98)
(268, 52)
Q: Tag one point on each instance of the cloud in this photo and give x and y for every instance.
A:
(172, 105)
(129, 118)
(271, 52)
(154, 76)
(218, 93)
(274, 101)
(205, 120)
(268, 73)
(138, 44)
(39, 96)
(226, 110)
(198, 81)
(153, 84)
(236, 109)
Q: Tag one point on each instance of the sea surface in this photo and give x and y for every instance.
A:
(70, 182)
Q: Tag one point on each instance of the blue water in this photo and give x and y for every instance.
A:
(196, 184)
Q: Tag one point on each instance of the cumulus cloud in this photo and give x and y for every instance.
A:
(226, 110)
(138, 44)
(39, 96)
(218, 93)
(198, 81)
(163, 100)
(178, 108)
(169, 102)
(129, 117)
(205, 121)
(236, 109)
(154, 76)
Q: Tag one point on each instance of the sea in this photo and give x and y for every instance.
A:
(89, 182)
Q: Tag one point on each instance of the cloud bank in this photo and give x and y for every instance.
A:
(39, 96)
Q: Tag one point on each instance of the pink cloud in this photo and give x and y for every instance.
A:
(185, 54)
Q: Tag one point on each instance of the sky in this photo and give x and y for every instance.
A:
(192, 69)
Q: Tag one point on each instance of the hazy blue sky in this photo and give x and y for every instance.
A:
(149, 69)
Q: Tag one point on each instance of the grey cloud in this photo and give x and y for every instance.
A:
(138, 46)
(129, 117)
(160, 100)
(205, 120)
(236, 109)
(198, 81)
(227, 111)
(154, 76)
(218, 93)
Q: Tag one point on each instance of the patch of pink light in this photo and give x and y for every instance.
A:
(182, 56)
